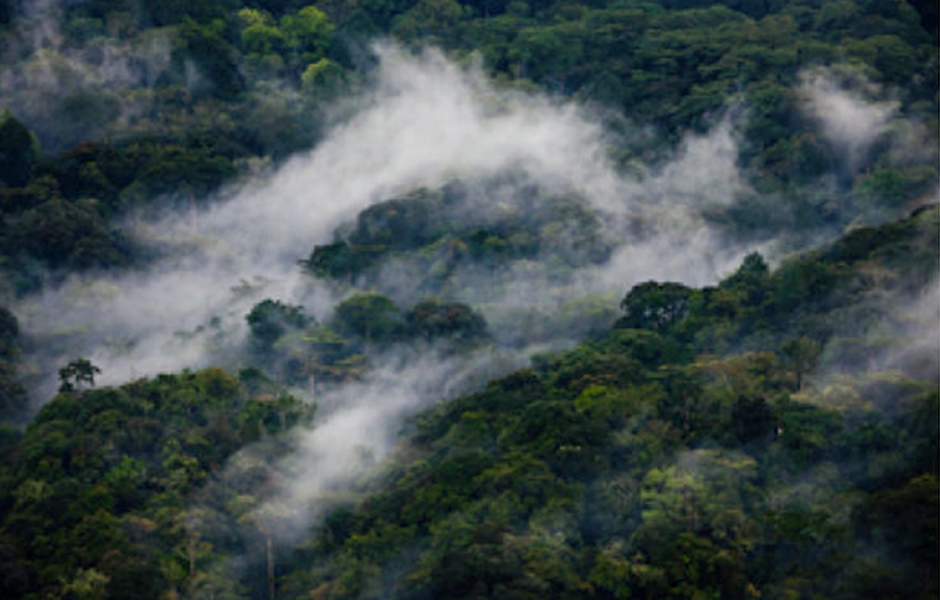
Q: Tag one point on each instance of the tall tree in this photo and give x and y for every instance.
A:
(17, 152)
(79, 371)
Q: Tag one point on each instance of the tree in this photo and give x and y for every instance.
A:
(802, 353)
(269, 320)
(9, 332)
(7, 11)
(434, 320)
(654, 305)
(63, 233)
(170, 12)
(264, 417)
(750, 280)
(266, 519)
(215, 58)
(88, 584)
(432, 20)
(329, 357)
(307, 34)
(260, 35)
(372, 317)
(13, 398)
(77, 372)
(751, 418)
(338, 260)
(550, 55)
(192, 526)
(17, 152)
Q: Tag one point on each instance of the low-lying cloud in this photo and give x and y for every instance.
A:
(851, 115)
(69, 92)
(424, 122)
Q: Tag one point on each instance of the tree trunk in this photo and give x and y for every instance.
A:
(270, 568)
(191, 555)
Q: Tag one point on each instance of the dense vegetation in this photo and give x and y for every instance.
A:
(772, 435)
(652, 462)
(200, 94)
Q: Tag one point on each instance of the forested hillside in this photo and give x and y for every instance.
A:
(651, 462)
(483, 299)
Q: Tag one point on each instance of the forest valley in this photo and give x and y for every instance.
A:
(469, 299)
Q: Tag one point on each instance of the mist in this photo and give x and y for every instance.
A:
(76, 86)
(904, 340)
(851, 111)
(423, 123)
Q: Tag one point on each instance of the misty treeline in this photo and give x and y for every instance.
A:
(774, 435)
(136, 106)
(521, 364)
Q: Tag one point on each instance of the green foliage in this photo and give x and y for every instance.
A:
(673, 64)
(13, 398)
(77, 372)
(7, 11)
(635, 466)
(751, 418)
(424, 233)
(370, 317)
(337, 261)
(17, 152)
(655, 306)
(269, 320)
(260, 35)
(267, 416)
(185, 171)
(429, 21)
(454, 322)
(95, 504)
(307, 33)
(169, 12)
(66, 234)
(709, 446)
(803, 354)
(215, 58)
(750, 280)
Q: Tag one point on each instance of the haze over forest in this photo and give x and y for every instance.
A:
(469, 299)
